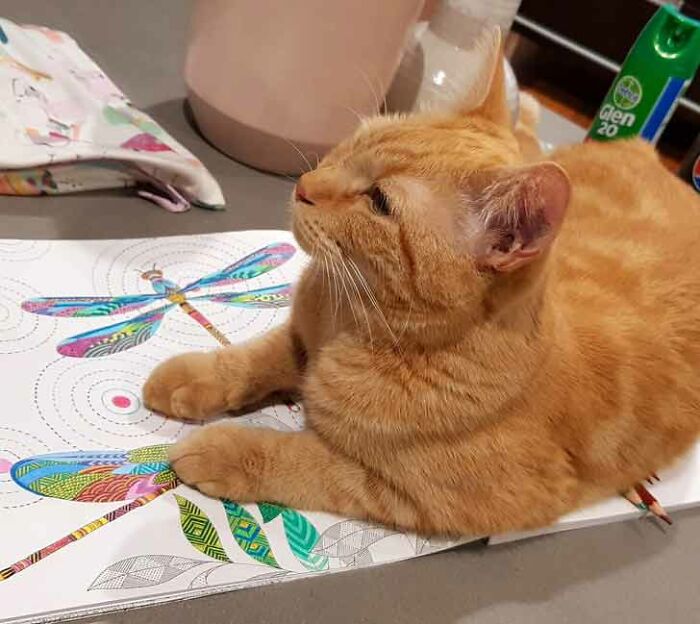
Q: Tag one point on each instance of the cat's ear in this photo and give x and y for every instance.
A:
(487, 96)
(514, 214)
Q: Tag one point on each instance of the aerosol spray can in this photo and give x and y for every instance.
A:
(653, 78)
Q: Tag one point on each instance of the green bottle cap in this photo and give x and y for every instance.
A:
(675, 37)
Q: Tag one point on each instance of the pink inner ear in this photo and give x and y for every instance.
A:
(528, 206)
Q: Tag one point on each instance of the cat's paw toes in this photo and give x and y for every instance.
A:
(185, 387)
(220, 461)
(196, 401)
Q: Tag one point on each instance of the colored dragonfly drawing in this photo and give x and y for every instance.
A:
(135, 331)
(138, 477)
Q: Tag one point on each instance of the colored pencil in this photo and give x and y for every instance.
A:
(635, 499)
(652, 503)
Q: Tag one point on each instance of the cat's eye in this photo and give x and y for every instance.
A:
(380, 202)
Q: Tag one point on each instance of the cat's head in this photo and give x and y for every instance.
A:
(435, 210)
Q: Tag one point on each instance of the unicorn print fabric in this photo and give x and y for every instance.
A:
(66, 127)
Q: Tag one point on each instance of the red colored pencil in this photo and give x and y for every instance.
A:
(635, 499)
(652, 503)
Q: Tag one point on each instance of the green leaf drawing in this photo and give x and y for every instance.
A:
(248, 534)
(302, 537)
(269, 512)
(199, 530)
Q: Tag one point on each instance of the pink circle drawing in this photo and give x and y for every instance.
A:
(121, 401)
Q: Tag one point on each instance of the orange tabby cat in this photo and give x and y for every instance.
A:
(481, 344)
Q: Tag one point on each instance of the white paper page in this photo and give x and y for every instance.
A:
(58, 403)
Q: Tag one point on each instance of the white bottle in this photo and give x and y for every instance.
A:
(442, 57)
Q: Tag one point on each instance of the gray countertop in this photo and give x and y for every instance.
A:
(626, 572)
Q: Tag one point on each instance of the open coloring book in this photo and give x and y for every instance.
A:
(88, 504)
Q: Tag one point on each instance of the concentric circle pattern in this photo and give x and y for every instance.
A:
(23, 250)
(19, 330)
(15, 445)
(96, 404)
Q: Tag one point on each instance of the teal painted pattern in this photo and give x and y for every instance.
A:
(302, 537)
(248, 534)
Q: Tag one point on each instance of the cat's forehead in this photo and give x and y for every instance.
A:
(420, 146)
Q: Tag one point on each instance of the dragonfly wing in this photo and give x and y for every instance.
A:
(96, 476)
(114, 338)
(257, 263)
(87, 306)
(271, 297)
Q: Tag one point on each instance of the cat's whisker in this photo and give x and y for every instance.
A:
(336, 289)
(324, 273)
(365, 287)
(372, 89)
(334, 278)
(368, 291)
(360, 118)
(360, 299)
(318, 270)
(347, 294)
(331, 287)
(405, 324)
(298, 151)
(372, 297)
(385, 91)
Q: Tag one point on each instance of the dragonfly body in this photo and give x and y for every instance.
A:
(175, 295)
(160, 285)
(133, 332)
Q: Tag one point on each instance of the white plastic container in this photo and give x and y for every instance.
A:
(441, 58)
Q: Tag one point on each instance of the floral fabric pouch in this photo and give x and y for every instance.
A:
(65, 127)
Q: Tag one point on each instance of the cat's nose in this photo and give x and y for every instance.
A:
(301, 195)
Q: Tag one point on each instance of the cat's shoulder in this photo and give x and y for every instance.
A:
(613, 155)
(628, 172)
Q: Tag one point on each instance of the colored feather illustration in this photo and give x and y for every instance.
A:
(248, 534)
(301, 535)
(199, 530)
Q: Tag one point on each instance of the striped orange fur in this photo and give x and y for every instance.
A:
(516, 336)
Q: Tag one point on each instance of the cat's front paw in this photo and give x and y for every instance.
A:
(221, 460)
(187, 387)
